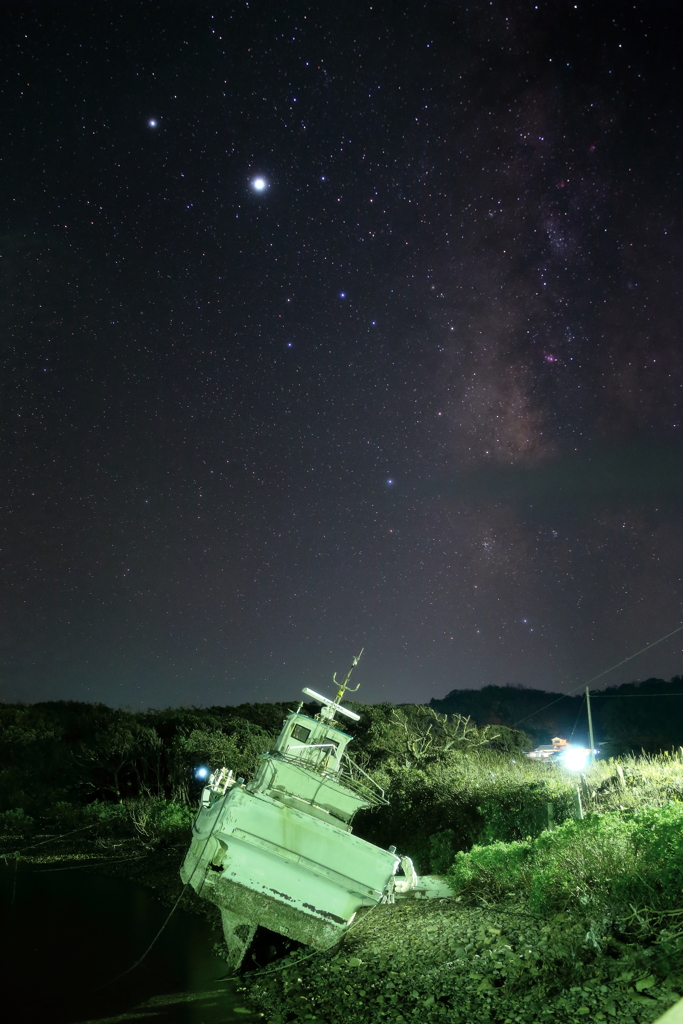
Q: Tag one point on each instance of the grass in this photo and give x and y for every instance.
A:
(450, 803)
(582, 921)
(604, 862)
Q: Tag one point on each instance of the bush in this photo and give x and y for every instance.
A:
(658, 840)
(480, 797)
(491, 872)
(585, 865)
(442, 849)
(16, 822)
(607, 866)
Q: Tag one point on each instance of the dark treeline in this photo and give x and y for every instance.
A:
(627, 718)
(67, 751)
(70, 752)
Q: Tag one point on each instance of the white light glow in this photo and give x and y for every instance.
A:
(258, 184)
(575, 760)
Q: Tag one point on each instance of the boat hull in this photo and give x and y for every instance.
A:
(265, 863)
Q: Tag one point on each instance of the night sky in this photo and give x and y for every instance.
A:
(337, 326)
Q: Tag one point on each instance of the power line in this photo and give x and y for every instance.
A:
(577, 717)
(601, 674)
(594, 696)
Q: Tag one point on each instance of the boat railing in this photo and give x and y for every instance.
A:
(347, 775)
(353, 768)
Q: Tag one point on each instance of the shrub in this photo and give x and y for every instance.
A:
(477, 796)
(587, 865)
(491, 872)
(158, 821)
(657, 834)
(442, 849)
(16, 822)
(608, 865)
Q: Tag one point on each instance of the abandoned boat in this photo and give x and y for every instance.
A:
(279, 852)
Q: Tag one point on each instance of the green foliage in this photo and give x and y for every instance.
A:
(585, 865)
(69, 752)
(657, 838)
(477, 796)
(413, 733)
(606, 866)
(238, 749)
(16, 822)
(491, 872)
(518, 811)
(441, 850)
(160, 821)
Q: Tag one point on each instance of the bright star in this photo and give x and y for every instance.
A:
(152, 123)
(258, 184)
(390, 482)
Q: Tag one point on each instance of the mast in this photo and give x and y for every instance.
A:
(345, 685)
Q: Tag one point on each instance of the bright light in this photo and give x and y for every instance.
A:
(258, 184)
(575, 759)
(152, 123)
(201, 773)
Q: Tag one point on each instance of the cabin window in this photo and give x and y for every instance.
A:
(299, 732)
(331, 746)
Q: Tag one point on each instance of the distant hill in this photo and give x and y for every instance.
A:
(644, 715)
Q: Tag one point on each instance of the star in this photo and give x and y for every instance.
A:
(152, 123)
(259, 184)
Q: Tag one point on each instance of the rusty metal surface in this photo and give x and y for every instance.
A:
(273, 911)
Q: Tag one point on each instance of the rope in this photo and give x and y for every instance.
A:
(34, 846)
(284, 967)
(172, 912)
(52, 839)
(86, 863)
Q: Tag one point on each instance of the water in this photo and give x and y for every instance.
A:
(66, 933)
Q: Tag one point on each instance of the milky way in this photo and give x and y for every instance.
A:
(327, 330)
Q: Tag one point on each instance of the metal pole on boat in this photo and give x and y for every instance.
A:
(345, 685)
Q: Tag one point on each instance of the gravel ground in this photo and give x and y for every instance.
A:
(441, 961)
(425, 961)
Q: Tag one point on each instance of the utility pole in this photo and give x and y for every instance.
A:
(590, 725)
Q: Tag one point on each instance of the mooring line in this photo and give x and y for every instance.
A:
(173, 910)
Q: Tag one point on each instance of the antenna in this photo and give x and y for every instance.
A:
(345, 685)
(332, 705)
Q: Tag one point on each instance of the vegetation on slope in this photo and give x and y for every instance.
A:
(550, 915)
(584, 921)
